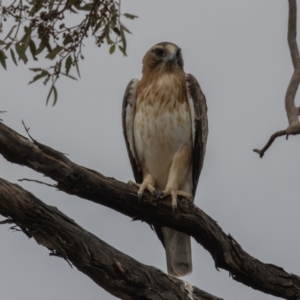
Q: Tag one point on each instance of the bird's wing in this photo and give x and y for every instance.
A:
(198, 109)
(128, 112)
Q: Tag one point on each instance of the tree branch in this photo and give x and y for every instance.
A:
(270, 142)
(91, 185)
(292, 32)
(111, 269)
(291, 110)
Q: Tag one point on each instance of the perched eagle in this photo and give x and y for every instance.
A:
(165, 128)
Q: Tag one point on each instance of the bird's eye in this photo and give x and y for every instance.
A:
(178, 53)
(159, 52)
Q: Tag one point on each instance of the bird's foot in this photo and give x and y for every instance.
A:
(174, 193)
(142, 187)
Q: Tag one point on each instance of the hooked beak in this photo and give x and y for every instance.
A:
(173, 57)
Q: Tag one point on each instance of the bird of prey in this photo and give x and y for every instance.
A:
(165, 128)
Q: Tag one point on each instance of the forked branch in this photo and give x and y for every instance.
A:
(270, 142)
(291, 110)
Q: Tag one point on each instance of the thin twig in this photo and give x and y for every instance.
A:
(56, 253)
(27, 130)
(41, 182)
(47, 149)
(7, 221)
(270, 142)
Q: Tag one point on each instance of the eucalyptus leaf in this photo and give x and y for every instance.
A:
(76, 65)
(87, 7)
(123, 39)
(10, 32)
(50, 6)
(130, 16)
(35, 69)
(112, 49)
(51, 55)
(39, 76)
(32, 48)
(68, 39)
(55, 95)
(2, 59)
(37, 5)
(40, 48)
(68, 64)
(49, 94)
(12, 53)
(67, 75)
(20, 50)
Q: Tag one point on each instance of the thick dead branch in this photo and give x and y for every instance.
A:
(91, 185)
(291, 110)
(116, 272)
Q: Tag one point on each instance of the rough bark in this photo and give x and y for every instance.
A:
(91, 185)
(111, 269)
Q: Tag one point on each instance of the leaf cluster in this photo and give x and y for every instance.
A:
(57, 29)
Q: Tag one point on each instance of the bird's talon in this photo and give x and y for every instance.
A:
(159, 196)
(155, 193)
(142, 187)
(140, 195)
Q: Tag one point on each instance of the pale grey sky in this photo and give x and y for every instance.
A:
(238, 52)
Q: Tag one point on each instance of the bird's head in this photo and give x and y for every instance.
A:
(163, 57)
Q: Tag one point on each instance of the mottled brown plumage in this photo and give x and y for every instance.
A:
(165, 130)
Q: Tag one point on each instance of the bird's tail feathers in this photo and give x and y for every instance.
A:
(178, 252)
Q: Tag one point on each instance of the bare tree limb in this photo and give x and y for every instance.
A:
(292, 32)
(91, 185)
(291, 110)
(111, 269)
(270, 142)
